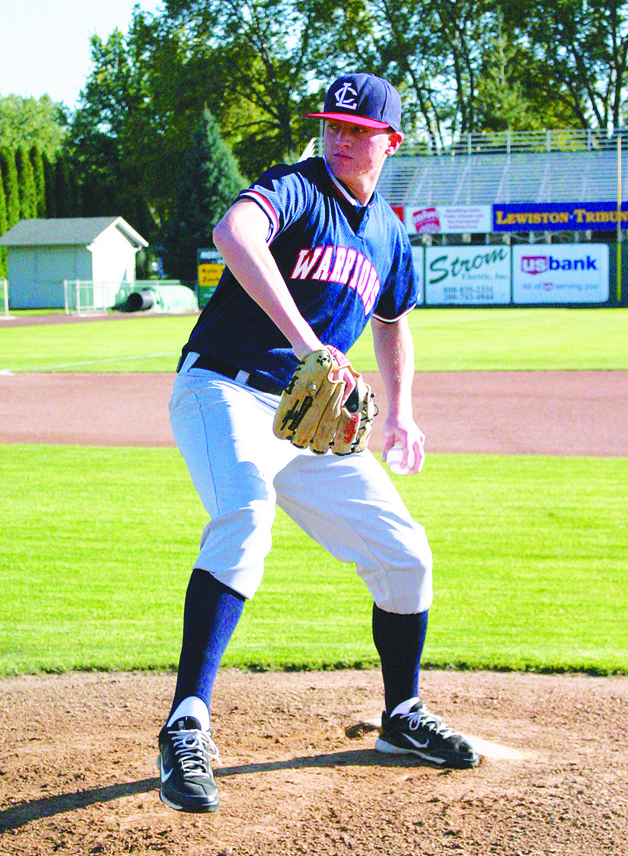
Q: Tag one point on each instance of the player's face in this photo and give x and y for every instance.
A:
(356, 155)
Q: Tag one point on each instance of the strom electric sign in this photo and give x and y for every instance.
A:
(467, 275)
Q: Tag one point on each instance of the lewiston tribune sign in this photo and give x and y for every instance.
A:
(557, 216)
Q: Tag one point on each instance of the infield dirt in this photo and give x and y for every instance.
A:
(300, 776)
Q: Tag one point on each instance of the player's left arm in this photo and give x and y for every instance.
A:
(394, 350)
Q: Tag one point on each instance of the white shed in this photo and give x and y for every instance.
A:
(44, 253)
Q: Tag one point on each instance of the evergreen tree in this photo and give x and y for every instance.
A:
(66, 201)
(63, 201)
(209, 182)
(49, 186)
(11, 188)
(3, 228)
(26, 183)
(37, 163)
(95, 202)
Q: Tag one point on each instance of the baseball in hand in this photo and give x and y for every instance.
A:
(393, 459)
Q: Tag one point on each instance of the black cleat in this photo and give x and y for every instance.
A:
(420, 733)
(185, 754)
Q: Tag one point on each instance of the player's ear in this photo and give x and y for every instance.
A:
(395, 139)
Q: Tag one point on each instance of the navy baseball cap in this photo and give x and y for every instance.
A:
(362, 99)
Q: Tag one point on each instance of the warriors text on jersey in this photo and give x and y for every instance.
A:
(342, 263)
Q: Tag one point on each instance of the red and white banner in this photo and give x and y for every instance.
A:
(447, 219)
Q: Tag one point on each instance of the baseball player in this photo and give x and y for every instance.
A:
(313, 253)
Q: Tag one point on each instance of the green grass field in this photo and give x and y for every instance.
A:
(97, 545)
(531, 552)
(445, 340)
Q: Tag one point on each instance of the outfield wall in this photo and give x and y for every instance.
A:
(558, 274)
(583, 274)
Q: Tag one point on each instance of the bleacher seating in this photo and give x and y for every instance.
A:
(482, 169)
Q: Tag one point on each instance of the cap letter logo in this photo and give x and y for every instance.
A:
(346, 97)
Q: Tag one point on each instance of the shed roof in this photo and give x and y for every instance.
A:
(67, 231)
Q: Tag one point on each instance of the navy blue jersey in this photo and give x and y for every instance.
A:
(342, 263)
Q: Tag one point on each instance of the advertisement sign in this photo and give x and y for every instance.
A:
(210, 267)
(448, 219)
(467, 275)
(557, 217)
(560, 273)
(209, 274)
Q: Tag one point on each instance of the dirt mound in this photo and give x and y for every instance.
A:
(299, 774)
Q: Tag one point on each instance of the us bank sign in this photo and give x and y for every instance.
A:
(560, 273)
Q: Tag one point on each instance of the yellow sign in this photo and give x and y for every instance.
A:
(209, 274)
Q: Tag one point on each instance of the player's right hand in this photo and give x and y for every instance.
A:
(409, 438)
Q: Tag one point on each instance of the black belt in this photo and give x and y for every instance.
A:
(256, 381)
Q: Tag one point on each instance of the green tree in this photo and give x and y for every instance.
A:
(448, 59)
(269, 53)
(135, 118)
(100, 151)
(49, 186)
(407, 45)
(208, 185)
(3, 228)
(577, 52)
(26, 184)
(475, 65)
(26, 121)
(11, 187)
(66, 191)
(506, 95)
(37, 163)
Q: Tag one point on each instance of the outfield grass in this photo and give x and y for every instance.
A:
(505, 339)
(131, 344)
(531, 552)
(96, 547)
(511, 339)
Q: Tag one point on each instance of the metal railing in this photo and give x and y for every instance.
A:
(509, 166)
(88, 297)
(4, 294)
(520, 142)
(505, 143)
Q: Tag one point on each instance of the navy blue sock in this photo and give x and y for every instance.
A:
(399, 640)
(212, 611)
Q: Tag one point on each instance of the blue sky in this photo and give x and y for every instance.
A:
(44, 45)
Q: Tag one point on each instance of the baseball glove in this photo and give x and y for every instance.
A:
(310, 413)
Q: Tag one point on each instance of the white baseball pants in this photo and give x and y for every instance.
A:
(240, 470)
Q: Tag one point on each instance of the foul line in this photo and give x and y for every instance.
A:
(93, 362)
